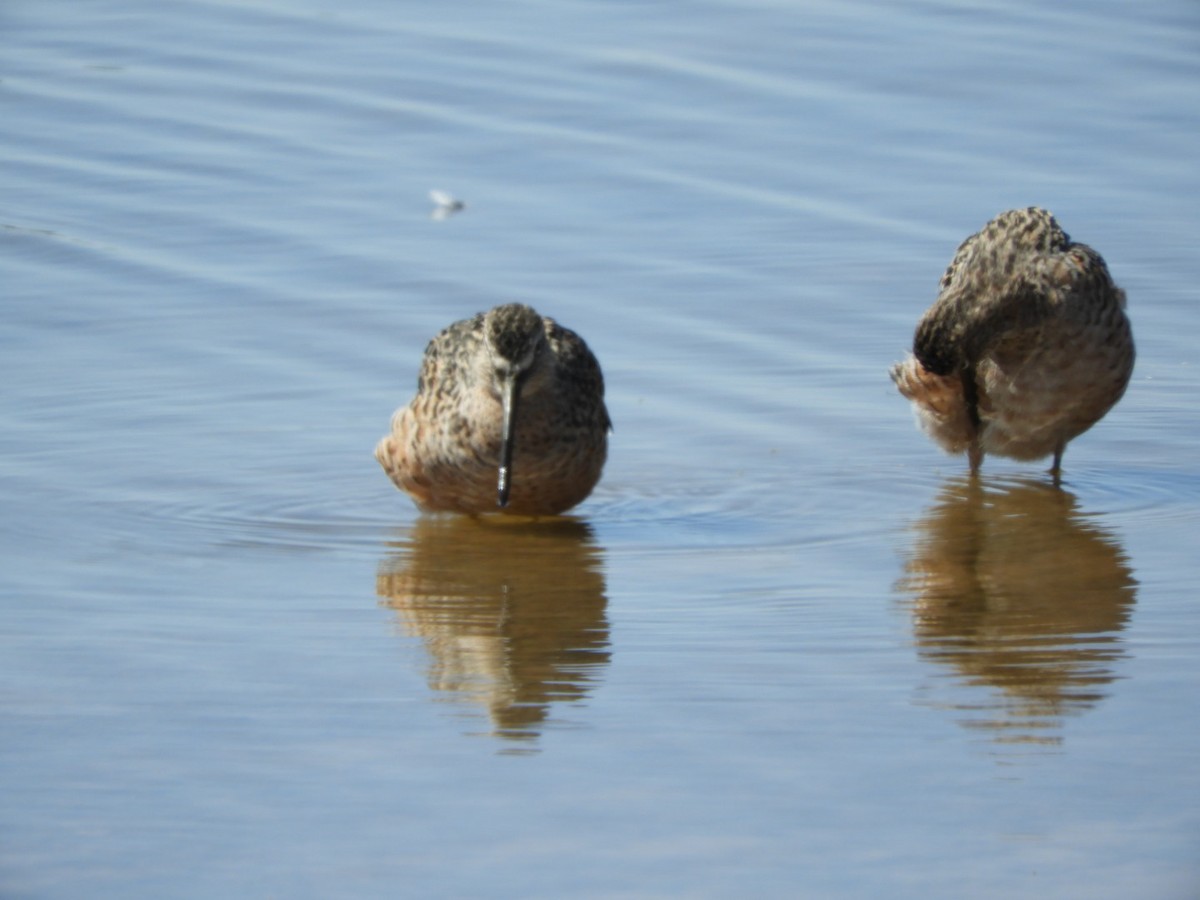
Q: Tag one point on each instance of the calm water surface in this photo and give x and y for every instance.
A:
(786, 649)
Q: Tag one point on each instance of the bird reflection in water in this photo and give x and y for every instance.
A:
(1012, 588)
(512, 612)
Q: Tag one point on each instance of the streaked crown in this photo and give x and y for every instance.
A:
(514, 332)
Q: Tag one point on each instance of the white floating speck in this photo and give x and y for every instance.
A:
(444, 205)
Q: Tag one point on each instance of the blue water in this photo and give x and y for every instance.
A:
(785, 649)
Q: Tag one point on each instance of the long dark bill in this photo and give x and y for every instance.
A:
(510, 392)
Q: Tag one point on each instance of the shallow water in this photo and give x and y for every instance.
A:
(786, 648)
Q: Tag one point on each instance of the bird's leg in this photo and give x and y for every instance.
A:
(1056, 469)
(975, 456)
(971, 396)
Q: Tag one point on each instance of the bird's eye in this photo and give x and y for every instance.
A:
(530, 358)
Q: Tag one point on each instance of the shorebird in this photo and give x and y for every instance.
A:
(1026, 347)
(509, 416)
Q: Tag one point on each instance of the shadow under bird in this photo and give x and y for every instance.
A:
(509, 417)
(1026, 347)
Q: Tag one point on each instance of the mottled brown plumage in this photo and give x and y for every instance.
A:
(1026, 347)
(509, 417)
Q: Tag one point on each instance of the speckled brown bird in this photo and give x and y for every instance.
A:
(1026, 347)
(509, 417)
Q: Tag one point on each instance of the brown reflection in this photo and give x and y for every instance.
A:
(511, 611)
(1014, 589)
